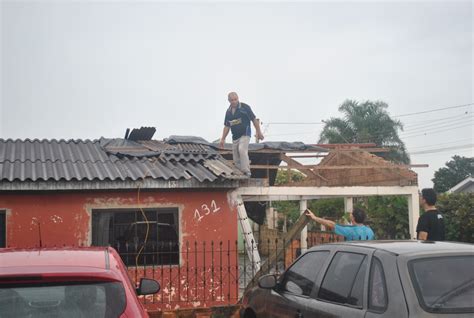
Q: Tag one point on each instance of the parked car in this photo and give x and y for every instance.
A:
(69, 282)
(370, 279)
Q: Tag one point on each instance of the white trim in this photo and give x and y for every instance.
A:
(461, 185)
(308, 193)
(318, 192)
(304, 232)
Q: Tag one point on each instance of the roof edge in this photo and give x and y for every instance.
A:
(461, 185)
(115, 185)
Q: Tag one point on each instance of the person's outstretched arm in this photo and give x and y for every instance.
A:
(327, 223)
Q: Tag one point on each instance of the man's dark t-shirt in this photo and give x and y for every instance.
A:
(431, 222)
(239, 121)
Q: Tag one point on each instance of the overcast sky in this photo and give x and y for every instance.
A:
(86, 69)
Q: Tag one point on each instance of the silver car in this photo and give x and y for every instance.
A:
(370, 279)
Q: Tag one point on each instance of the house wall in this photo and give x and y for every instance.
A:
(206, 218)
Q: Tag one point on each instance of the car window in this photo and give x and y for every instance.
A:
(300, 277)
(444, 284)
(341, 276)
(377, 287)
(97, 299)
(356, 296)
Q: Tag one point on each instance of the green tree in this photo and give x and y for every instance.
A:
(458, 212)
(367, 122)
(331, 208)
(456, 170)
(388, 216)
(282, 177)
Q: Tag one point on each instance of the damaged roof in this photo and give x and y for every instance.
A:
(111, 160)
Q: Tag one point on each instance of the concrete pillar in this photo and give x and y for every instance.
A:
(271, 219)
(304, 233)
(413, 212)
(348, 204)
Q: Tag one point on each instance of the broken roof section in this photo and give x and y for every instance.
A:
(112, 160)
(350, 167)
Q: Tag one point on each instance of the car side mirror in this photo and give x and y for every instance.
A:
(148, 286)
(267, 281)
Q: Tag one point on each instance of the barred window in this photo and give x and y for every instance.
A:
(3, 229)
(126, 230)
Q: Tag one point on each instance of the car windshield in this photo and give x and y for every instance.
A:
(444, 284)
(71, 300)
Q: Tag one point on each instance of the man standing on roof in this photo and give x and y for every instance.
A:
(431, 223)
(237, 119)
(355, 232)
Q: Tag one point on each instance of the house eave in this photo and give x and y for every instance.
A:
(87, 185)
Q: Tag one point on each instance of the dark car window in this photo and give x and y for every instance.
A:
(340, 278)
(97, 299)
(444, 284)
(377, 287)
(299, 279)
(356, 296)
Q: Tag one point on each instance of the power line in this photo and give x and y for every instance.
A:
(441, 144)
(438, 131)
(437, 126)
(438, 121)
(293, 134)
(395, 116)
(415, 123)
(411, 132)
(295, 123)
(468, 146)
(434, 110)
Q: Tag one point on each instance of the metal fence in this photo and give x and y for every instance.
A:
(205, 274)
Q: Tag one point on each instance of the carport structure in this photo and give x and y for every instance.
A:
(346, 171)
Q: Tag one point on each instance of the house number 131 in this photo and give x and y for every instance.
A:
(206, 210)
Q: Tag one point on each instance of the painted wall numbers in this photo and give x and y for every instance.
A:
(205, 210)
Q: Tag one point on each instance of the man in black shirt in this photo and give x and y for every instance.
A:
(431, 223)
(237, 119)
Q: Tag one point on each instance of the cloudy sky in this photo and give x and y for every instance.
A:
(86, 69)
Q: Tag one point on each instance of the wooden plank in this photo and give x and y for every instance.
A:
(360, 150)
(418, 165)
(294, 231)
(332, 146)
(317, 167)
(307, 156)
(301, 167)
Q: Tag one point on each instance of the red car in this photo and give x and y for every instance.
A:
(68, 282)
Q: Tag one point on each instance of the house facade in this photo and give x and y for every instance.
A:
(165, 206)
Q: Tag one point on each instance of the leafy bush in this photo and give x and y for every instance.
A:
(388, 216)
(458, 212)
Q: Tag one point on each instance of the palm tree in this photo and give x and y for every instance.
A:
(367, 122)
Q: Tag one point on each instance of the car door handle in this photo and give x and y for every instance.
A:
(298, 314)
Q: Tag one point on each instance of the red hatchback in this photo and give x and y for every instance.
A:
(68, 282)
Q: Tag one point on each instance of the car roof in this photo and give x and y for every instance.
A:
(95, 257)
(403, 247)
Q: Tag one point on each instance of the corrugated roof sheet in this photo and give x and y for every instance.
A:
(111, 160)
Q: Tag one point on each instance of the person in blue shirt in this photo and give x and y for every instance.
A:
(237, 120)
(355, 232)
